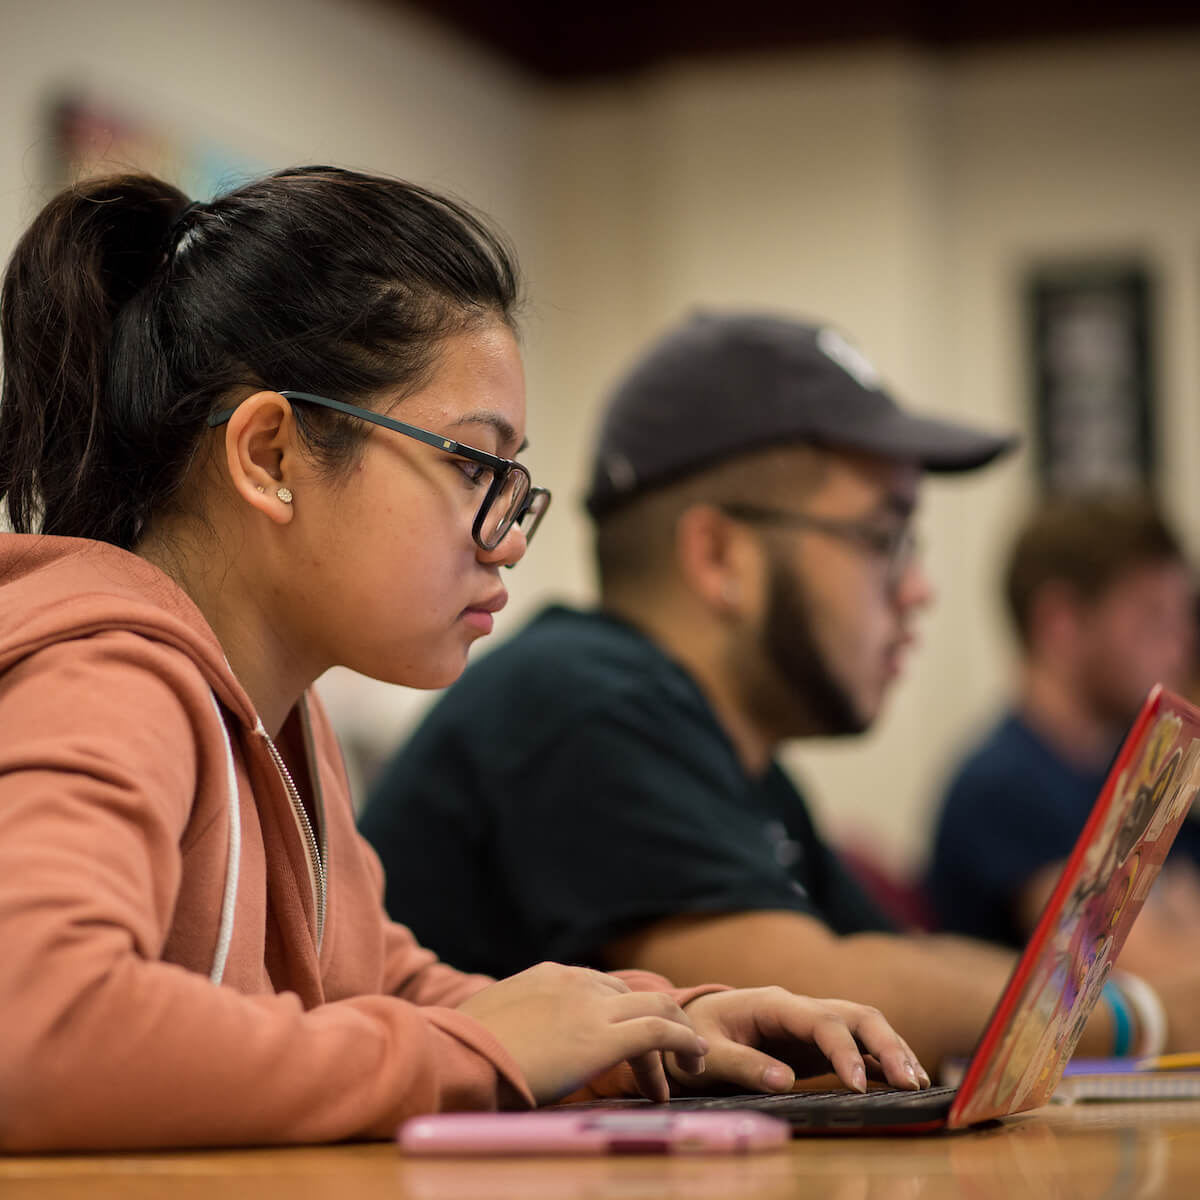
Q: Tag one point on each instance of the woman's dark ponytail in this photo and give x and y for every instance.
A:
(87, 253)
(129, 316)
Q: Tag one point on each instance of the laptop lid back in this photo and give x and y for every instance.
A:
(1056, 984)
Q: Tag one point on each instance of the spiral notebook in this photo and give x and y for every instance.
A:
(1109, 1079)
(1123, 1079)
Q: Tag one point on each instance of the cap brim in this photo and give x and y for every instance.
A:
(936, 445)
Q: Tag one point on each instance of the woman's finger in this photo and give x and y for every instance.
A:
(743, 1067)
(841, 1030)
(641, 1035)
(647, 1004)
(833, 1038)
(609, 982)
(922, 1074)
(650, 1077)
(658, 1023)
(874, 1034)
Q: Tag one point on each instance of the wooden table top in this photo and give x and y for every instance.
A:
(1083, 1152)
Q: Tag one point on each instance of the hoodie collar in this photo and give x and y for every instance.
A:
(55, 589)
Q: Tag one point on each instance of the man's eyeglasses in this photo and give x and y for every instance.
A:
(510, 498)
(896, 545)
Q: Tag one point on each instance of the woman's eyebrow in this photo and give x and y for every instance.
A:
(507, 433)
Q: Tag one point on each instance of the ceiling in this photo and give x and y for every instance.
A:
(567, 41)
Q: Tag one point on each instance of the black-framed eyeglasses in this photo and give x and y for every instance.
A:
(897, 546)
(510, 498)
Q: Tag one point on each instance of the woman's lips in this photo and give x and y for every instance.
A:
(476, 618)
(480, 616)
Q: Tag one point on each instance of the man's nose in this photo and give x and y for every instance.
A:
(914, 588)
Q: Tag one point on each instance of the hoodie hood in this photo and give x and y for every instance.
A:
(54, 589)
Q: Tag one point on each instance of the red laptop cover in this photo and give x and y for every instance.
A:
(1041, 1014)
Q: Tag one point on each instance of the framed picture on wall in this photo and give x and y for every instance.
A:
(92, 135)
(1092, 346)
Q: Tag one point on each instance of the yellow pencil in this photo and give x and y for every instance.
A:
(1171, 1062)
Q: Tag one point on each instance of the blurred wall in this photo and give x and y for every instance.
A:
(898, 194)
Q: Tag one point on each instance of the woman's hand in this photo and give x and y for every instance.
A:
(564, 1025)
(761, 1039)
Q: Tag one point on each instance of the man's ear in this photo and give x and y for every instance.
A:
(260, 450)
(1056, 618)
(717, 559)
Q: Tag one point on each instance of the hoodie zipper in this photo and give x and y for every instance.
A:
(310, 839)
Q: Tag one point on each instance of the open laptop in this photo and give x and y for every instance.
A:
(1041, 1013)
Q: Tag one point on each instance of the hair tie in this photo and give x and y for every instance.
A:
(186, 211)
(183, 223)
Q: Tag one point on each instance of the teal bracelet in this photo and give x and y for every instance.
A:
(1122, 1020)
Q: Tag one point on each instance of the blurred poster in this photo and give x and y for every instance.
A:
(1093, 377)
(90, 136)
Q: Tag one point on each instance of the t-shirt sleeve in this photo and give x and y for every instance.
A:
(617, 825)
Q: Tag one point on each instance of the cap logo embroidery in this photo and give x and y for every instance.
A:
(620, 471)
(849, 358)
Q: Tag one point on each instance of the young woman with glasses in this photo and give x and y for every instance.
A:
(240, 443)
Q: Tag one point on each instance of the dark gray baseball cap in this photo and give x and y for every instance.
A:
(723, 384)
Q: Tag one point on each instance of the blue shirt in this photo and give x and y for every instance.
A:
(1013, 807)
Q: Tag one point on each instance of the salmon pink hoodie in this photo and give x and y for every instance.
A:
(177, 966)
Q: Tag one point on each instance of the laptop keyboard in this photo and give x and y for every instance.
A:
(765, 1103)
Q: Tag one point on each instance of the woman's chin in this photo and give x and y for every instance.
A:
(428, 677)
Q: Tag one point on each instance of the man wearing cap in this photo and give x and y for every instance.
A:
(603, 790)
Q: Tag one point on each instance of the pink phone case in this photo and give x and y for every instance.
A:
(591, 1133)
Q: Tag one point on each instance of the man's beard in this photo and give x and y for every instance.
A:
(805, 684)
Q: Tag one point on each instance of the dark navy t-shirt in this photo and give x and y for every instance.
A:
(1013, 807)
(574, 786)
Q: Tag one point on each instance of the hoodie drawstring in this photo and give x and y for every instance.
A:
(234, 860)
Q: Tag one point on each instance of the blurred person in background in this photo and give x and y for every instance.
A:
(1102, 601)
(603, 788)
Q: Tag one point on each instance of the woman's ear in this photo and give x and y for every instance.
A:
(260, 450)
(715, 559)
